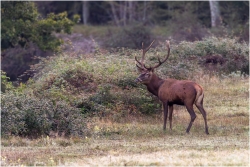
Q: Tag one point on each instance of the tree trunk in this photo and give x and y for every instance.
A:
(215, 13)
(114, 13)
(131, 12)
(125, 13)
(85, 12)
(144, 10)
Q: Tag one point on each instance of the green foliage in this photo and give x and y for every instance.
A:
(235, 55)
(17, 19)
(26, 115)
(103, 95)
(76, 18)
(90, 84)
(5, 84)
(21, 25)
(67, 88)
(127, 82)
(139, 99)
(45, 28)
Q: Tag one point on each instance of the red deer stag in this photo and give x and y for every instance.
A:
(171, 91)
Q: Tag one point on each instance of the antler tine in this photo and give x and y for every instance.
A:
(144, 51)
(139, 67)
(161, 62)
(143, 55)
(138, 61)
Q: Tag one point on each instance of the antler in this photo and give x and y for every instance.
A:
(161, 62)
(143, 56)
(141, 63)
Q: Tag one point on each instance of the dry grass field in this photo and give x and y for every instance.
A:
(141, 141)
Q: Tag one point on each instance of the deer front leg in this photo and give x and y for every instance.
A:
(170, 115)
(165, 106)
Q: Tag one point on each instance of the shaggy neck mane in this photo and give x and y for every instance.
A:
(154, 84)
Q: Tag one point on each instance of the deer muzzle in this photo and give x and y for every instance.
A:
(138, 80)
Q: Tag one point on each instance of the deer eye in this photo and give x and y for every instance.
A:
(147, 74)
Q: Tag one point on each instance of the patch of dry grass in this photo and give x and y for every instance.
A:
(163, 149)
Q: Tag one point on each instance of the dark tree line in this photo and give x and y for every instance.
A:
(122, 13)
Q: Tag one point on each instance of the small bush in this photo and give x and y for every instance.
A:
(26, 115)
(5, 83)
(12, 118)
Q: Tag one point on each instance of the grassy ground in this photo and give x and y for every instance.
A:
(141, 140)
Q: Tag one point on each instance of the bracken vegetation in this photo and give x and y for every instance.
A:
(102, 84)
(88, 101)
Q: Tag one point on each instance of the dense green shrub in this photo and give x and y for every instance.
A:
(140, 98)
(235, 54)
(5, 84)
(21, 24)
(103, 95)
(25, 115)
(211, 45)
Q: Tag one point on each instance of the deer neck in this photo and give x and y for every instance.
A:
(154, 84)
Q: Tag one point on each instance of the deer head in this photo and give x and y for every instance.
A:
(147, 72)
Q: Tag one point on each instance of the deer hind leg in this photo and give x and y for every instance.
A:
(193, 116)
(170, 115)
(199, 105)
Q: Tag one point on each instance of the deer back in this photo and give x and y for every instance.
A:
(179, 91)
